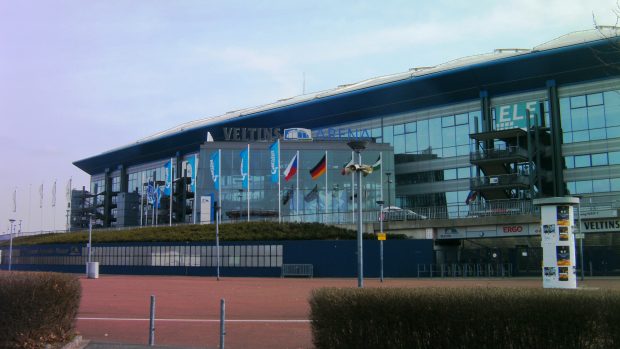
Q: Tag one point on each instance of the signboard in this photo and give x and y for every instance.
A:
(600, 225)
(487, 231)
(558, 243)
(381, 236)
(513, 115)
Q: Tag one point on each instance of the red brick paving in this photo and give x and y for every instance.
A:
(123, 296)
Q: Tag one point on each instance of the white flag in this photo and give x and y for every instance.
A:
(68, 191)
(54, 195)
(41, 196)
(14, 200)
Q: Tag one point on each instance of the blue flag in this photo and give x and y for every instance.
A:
(167, 168)
(274, 154)
(214, 164)
(244, 169)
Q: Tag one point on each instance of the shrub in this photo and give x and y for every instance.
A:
(465, 318)
(254, 231)
(37, 308)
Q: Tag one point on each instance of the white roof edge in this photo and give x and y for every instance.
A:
(574, 38)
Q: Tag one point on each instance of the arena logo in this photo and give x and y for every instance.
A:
(512, 229)
(270, 134)
(341, 133)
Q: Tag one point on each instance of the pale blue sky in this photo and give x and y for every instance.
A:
(78, 78)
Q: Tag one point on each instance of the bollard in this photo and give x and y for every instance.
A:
(222, 322)
(152, 323)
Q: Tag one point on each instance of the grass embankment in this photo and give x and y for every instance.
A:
(253, 231)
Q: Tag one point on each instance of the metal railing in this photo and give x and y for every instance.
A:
(513, 179)
(498, 153)
(465, 270)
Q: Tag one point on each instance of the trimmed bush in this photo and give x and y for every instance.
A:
(254, 231)
(37, 308)
(452, 318)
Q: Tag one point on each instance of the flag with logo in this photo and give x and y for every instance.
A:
(214, 165)
(319, 169)
(313, 194)
(168, 170)
(291, 169)
(244, 169)
(274, 156)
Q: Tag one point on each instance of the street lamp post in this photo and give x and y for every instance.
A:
(90, 237)
(11, 244)
(380, 202)
(217, 236)
(389, 182)
(358, 147)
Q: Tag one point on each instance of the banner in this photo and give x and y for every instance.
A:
(274, 155)
(168, 170)
(244, 169)
(377, 165)
(214, 165)
(150, 193)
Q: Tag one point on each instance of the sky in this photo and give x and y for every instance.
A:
(78, 78)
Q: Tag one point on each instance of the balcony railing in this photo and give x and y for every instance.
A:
(498, 153)
(500, 181)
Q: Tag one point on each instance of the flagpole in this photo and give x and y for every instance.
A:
(248, 195)
(171, 190)
(297, 186)
(141, 196)
(325, 204)
(41, 205)
(279, 185)
(219, 183)
(195, 175)
(29, 204)
(69, 196)
(54, 207)
(353, 191)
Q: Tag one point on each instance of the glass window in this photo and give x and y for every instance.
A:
(599, 159)
(578, 102)
(460, 119)
(449, 152)
(411, 144)
(388, 134)
(581, 136)
(567, 137)
(595, 99)
(565, 114)
(462, 150)
(612, 108)
(448, 136)
(435, 133)
(596, 134)
(449, 174)
(399, 144)
(600, 185)
(475, 118)
(582, 187)
(579, 119)
(571, 187)
(399, 129)
(613, 132)
(411, 127)
(570, 161)
(615, 184)
(463, 172)
(582, 161)
(596, 117)
(614, 157)
(447, 121)
(422, 135)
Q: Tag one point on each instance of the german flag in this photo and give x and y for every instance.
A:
(319, 169)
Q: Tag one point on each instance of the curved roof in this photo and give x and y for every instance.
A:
(451, 81)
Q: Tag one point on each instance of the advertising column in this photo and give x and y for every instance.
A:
(558, 241)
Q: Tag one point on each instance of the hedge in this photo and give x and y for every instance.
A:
(253, 231)
(465, 318)
(37, 308)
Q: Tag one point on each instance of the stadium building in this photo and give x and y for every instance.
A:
(456, 152)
